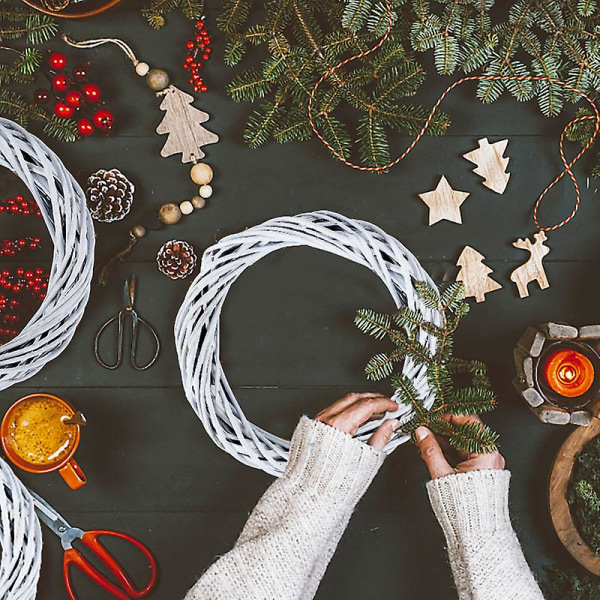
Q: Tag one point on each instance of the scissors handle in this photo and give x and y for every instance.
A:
(138, 321)
(119, 318)
(128, 590)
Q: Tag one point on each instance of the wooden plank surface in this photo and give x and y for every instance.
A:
(288, 343)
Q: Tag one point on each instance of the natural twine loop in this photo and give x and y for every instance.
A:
(63, 206)
(197, 327)
(20, 539)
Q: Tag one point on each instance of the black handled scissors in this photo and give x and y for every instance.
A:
(136, 321)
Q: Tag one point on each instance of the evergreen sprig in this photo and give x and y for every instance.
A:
(559, 39)
(19, 65)
(404, 329)
(298, 40)
(155, 11)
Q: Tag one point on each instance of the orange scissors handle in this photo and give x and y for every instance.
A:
(128, 590)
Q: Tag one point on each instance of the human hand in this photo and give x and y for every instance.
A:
(446, 461)
(351, 411)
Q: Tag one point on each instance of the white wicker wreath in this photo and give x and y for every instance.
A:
(20, 539)
(197, 324)
(64, 210)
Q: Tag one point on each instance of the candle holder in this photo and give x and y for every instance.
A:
(558, 372)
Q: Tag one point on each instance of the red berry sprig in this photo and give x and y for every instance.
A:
(13, 247)
(198, 51)
(75, 96)
(20, 206)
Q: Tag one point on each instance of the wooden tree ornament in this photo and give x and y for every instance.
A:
(532, 270)
(444, 203)
(182, 123)
(491, 164)
(475, 275)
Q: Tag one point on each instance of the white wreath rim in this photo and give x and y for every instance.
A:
(63, 206)
(197, 326)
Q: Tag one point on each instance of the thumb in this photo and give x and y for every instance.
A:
(432, 454)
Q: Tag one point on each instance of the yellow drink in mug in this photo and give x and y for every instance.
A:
(39, 434)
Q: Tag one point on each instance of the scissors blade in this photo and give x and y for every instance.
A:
(49, 516)
(129, 292)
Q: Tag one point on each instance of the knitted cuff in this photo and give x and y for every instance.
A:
(472, 504)
(331, 462)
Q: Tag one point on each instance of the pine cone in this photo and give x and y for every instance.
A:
(176, 259)
(110, 195)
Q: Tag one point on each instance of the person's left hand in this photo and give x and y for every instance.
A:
(350, 412)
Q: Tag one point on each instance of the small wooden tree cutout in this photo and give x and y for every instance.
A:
(475, 275)
(182, 123)
(491, 164)
(532, 270)
(444, 203)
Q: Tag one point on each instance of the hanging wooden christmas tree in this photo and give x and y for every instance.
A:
(182, 123)
(491, 164)
(475, 275)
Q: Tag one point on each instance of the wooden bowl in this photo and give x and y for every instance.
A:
(80, 10)
(560, 511)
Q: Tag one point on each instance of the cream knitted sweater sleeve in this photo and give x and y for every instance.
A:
(295, 528)
(291, 535)
(485, 555)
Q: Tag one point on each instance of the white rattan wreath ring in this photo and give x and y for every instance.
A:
(20, 539)
(197, 324)
(65, 213)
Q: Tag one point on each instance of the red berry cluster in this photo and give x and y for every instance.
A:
(12, 247)
(75, 95)
(20, 206)
(198, 51)
(21, 280)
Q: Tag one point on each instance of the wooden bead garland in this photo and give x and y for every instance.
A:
(63, 207)
(197, 327)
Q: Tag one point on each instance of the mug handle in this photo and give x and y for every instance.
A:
(73, 475)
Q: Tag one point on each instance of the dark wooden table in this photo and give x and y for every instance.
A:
(288, 345)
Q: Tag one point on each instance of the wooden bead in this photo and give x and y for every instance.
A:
(186, 207)
(169, 214)
(139, 231)
(157, 79)
(198, 202)
(142, 69)
(201, 173)
(205, 191)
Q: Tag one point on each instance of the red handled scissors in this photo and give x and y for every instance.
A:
(125, 590)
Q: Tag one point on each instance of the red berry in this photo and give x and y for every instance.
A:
(205, 56)
(92, 92)
(190, 45)
(74, 98)
(80, 73)
(103, 119)
(203, 88)
(85, 127)
(62, 110)
(57, 61)
(60, 83)
(41, 96)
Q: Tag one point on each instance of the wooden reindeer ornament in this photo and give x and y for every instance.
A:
(491, 164)
(532, 270)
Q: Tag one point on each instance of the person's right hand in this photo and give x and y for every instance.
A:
(441, 462)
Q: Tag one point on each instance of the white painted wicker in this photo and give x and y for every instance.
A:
(64, 210)
(197, 324)
(20, 539)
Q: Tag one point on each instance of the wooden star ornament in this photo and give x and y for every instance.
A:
(444, 203)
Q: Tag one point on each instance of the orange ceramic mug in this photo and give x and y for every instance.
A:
(37, 436)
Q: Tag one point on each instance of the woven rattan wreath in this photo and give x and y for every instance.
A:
(197, 324)
(63, 207)
(20, 539)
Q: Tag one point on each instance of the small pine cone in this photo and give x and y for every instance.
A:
(110, 195)
(176, 259)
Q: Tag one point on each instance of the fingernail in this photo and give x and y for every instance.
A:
(421, 433)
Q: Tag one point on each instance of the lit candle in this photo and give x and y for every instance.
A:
(569, 373)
